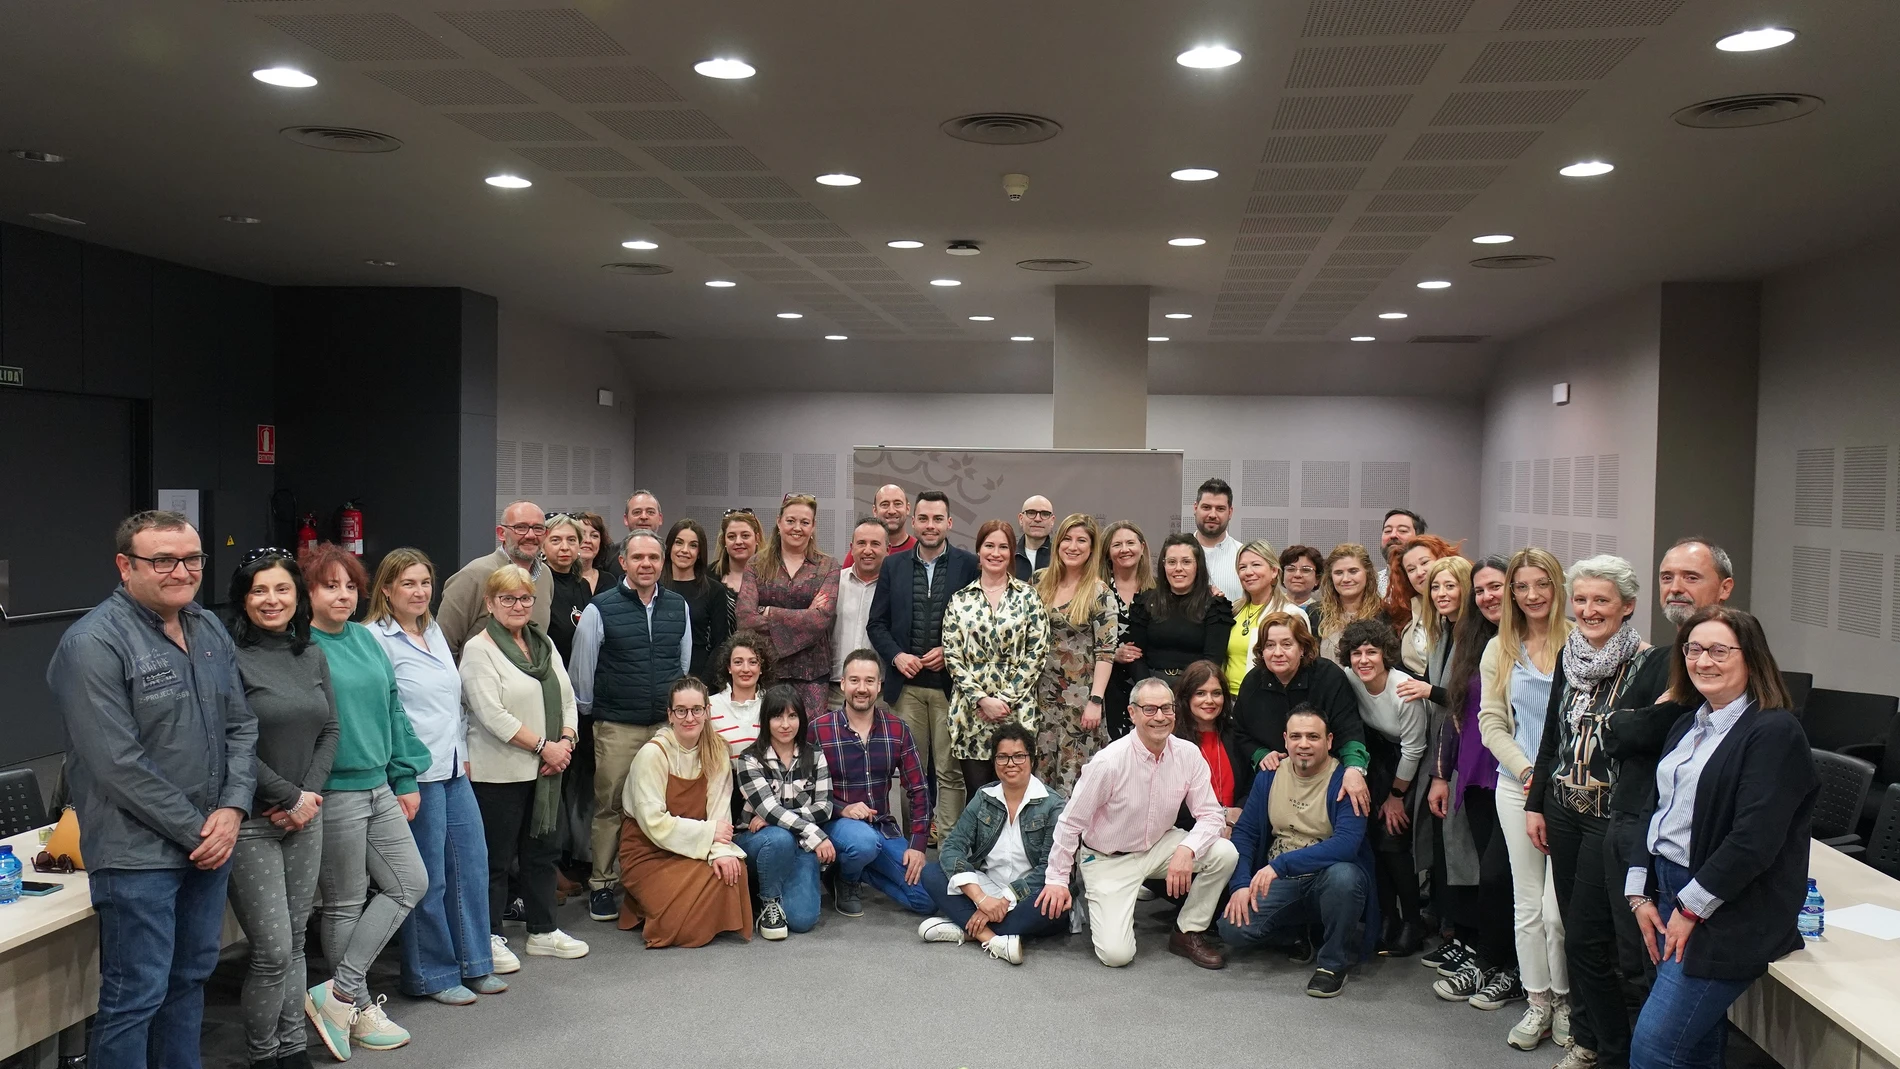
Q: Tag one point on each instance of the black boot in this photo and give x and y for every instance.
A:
(294, 1060)
(1409, 940)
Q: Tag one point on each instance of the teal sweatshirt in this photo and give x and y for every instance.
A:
(377, 744)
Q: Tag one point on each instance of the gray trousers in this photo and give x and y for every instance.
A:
(365, 838)
(273, 883)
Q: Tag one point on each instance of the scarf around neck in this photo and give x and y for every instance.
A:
(1586, 665)
(539, 667)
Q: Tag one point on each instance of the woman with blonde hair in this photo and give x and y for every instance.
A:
(684, 876)
(1072, 693)
(1127, 572)
(789, 594)
(740, 537)
(1258, 567)
(1346, 593)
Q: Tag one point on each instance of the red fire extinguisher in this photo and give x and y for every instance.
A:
(307, 534)
(349, 528)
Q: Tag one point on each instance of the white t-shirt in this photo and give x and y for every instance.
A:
(1220, 567)
(1402, 722)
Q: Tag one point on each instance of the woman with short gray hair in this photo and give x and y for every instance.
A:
(1605, 665)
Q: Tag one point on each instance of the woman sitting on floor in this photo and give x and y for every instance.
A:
(785, 789)
(684, 877)
(990, 867)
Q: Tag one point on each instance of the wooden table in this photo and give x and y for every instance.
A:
(49, 957)
(1835, 1003)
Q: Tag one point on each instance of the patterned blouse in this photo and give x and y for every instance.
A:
(800, 634)
(995, 653)
(1062, 694)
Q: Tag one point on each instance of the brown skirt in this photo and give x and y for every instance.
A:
(680, 900)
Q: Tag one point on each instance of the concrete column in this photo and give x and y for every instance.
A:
(1101, 367)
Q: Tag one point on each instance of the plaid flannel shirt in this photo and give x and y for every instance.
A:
(796, 803)
(862, 768)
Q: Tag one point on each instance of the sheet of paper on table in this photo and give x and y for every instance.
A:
(1867, 919)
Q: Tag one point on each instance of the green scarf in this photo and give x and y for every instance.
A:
(547, 789)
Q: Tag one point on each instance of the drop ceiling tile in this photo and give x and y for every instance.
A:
(744, 187)
(1275, 242)
(705, 158)
(1267, 259)
(809, 247)
(1401, 224)
(1339, 112)
(1566, 60)
(802, 230)
(551, 33)
(745, 262)
(1513, 107)
(604, 85)
(1588, 14)
(727, 248)
(450, 87)
(1487, 145)
(1382, 241)
(1442, 177)
(577, 158)
(1367, 259)
(1322, 148)
(662, 124)
(519, 125)
(1420, 202)
(1295, 203)
(357, 37)
(829, 262)
(1293, 178)
(1361, 67)
(636, 187)
(1353, 272)
(1382, 18)
(667, 210)
(1285, 224)
(702, 230)
(755, 210)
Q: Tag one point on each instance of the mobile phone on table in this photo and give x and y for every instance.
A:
(34, 887)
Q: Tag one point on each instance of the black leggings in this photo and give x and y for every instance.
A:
(1493, 934)
(1396, 870)
(1587, 878)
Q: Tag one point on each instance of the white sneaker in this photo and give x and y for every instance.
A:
(373, 1030)
(555, 944)
(505, 960)
(940, 930)
(1531, 1029)
(1578, 1058)
(1006, 947)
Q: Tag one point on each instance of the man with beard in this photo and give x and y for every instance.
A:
(462, 615)
(865, 750)
(1213, 511)
(1400, 527)
(892, 508)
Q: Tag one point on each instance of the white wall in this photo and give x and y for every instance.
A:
(1826, 541)
(1578, 479)
(554, 442)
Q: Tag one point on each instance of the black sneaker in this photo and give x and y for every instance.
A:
(1501, 988)
(1460, 985)
(1445, 951)
(848, 898)
(601, 907)
(516, 910)
(1455, 963)
(1302, 952)
(1325, 983)
(772, 924)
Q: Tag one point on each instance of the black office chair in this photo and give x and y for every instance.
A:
(1883, 847)
(1836, 719)
(21, 807)
(1799, 684)
(1885, 756)
(1844, 784)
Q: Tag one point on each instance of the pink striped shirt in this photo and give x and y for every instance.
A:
(1127, 800)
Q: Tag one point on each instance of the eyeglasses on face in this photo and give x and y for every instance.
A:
(1038, 514)
(688, 712)
(523, 530)
(194, 563)
(1163, 709)
(511, 601)
(1719, 653)
(1542, 586)
(1012, 759)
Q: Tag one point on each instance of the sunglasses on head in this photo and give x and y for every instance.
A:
(264, 553)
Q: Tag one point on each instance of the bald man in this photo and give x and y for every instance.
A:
(1036, 520)
(891, 506)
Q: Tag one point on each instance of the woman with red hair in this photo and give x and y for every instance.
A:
(1405, 607)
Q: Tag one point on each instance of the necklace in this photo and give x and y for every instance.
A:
(1250, 614)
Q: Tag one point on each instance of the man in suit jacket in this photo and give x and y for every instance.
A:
(906, 629)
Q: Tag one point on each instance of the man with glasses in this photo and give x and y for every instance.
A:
(1037, 519)
(634, 640)
(463, 615)
(161, 763)
(1118, 828)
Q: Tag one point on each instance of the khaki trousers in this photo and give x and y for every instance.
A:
(1109, 884)
(926, 712)
(614, 747)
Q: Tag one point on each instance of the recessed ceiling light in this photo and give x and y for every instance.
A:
(1492, 239)
(836, 337)
(837, 180)
(240, 218)
(1021, 337)
(1391, 315)
(945, 282)
(982, 319)
(1157, 337)
(1434, 284)
(1187, 243)
(507, 181)
(287, 77)
(31, 156)
(1207, 57)
(720, 283)
(905, 243)
(380, 263)
(791, 315)
(963, 248)
(1363, 337)
(1179, 315)
(1194, 174)
(1755, 40)
(725, 67)
(638, 243)
(1586, 169)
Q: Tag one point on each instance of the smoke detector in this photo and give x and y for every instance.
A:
(962, 248)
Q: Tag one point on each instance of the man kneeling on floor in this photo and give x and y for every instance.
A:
(1122, 818)
(1304, 859)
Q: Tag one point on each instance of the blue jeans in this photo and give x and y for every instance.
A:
(158, 942)
(445, 938)
(786, 872)
(1685, 1019)
(1334, 899)
(1022, 919)
(866, 856)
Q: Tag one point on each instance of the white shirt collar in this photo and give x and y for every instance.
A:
(1032, 792)
(1725, 717)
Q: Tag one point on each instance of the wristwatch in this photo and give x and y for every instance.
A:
(539, 746)
(1399, 792)
(1094, 699)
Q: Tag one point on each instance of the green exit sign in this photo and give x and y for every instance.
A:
(12, 376)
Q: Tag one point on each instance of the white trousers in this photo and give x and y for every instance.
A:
(1110, 884)
(1541, 964)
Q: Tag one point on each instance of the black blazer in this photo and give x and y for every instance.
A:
(1243, 771)
(1748, 842)
(889, 624)
(1261, 708)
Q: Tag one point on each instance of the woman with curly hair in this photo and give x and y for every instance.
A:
(1406, 607)
(1347, 592)
(742, 670)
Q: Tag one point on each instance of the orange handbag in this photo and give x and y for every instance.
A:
(65, 839)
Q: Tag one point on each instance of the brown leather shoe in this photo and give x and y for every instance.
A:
(1198, 948)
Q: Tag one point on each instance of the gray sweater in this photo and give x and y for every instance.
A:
(296, 719)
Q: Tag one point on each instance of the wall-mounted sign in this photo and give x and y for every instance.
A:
(12, 376)
(266, 443)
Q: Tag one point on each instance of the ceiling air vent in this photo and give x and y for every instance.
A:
(637, 269)
(1513, 261)
(641, 335)
(1750, 109)
(1001, 128)
(1450, 339)
(341, 138)
(1054, 265)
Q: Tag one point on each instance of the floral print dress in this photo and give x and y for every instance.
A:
(1062, 694)
(800, 635)
(992, 652)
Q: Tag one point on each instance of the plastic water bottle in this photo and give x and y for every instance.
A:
(9, 876)
(1813, 921)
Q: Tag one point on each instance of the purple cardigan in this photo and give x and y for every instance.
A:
(1461, 749)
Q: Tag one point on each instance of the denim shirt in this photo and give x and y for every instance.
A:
(981, 824)
(156, 737)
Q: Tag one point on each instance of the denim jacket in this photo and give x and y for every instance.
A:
(156, 737)
(976, 832)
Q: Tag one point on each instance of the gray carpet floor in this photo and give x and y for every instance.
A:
(868, 994)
